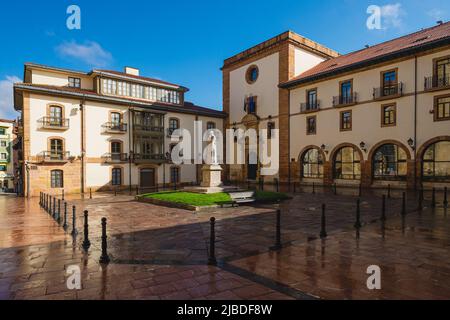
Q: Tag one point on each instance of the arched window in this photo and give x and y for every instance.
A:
(436, 162)
(312, 162)
(116, 177)
(56, 149)
(389, 163)
(57, 179)
(347, 164)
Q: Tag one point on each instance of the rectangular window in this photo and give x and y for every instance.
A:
(389, 83)
(2, 131)
(210, 126)
(346, 90)
(311, 125)
(116, 177)
(346, 120)
(443, 70)
(311, 99)
(442, 108)
(74, 82)
(116, 118)
(3, 143)
(57, 179)
(3, 156)
(388, 115)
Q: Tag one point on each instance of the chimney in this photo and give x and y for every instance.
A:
(132, 71)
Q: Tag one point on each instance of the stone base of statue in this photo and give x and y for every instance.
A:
(211, 181)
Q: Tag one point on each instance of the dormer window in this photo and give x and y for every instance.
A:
(74, 82)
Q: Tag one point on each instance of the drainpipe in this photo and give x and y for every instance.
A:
(415, 123)
(83, 148)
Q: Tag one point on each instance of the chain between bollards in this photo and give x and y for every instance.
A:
(74, 221)
(323, 224)
(104, 258)
(86, 242)
(403, 203)
(358, 224)
(212, 243)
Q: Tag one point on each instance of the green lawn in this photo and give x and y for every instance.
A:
(189, 198)
(204, 200)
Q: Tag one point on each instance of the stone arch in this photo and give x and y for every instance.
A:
(333, 157)
(421, 152)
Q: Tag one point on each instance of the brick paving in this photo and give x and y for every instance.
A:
(161, 253)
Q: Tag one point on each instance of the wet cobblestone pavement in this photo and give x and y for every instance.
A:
(161, 253)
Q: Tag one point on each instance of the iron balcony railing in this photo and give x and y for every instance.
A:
(310, 106)
(389, 90)
(115, 127)
(145, 157)
(344, 100)
(437, 82)
(115, 157)
(148, 128)
(54, 123)
(54, 156)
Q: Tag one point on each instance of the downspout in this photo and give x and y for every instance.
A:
(130, 146)
(289, 139)
(83, 148)
(415, 123)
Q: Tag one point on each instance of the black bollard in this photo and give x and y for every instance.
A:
(54, 208)
(86, 242)
(335, 189)
(115, 192)
(90, 193)
(389, 191)
(277, 184)
(295, 187)
(445, 197)
(314, 188)
(212, 244)
(46, 202)
(58, 215)
(74, 221)
(323, 229)
(137, 190)
(403, 203)
(383, 209)
(49, 208)
(62, 193)
(248, 184)
(360, 190)
(358, 224)
(278, 245)
(433, 198)
(65, 217)
(420, 206)
(104, 258)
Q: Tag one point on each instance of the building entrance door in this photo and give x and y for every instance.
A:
(147, 178)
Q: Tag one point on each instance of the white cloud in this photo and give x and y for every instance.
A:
(392, 15)
(436, 14)
(90, 53)
(6, 97)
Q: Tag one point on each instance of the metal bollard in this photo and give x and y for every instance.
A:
(389, 191)
(420, 206)
(404, 204)
(137, 190)
(383, 209)
(433, 198)
(49, 204)
(115, 192)
(104, 258)
(90, 193)
(248, 184)
(360, 190)
(278, 245)
(314, 188)
(445, 197)
(86, 242)
(58, 216)
(335, 189)
(212, 244)
(54, 208)
(74, 221)
(358, 224)
(62, 193)
(323, 228)
(46, 202)
(277, 184)
(65, 217)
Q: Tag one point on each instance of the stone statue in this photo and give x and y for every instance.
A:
(214, 160)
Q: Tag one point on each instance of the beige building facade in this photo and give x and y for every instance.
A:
(376, 117)
(102, 130)
(6, 155)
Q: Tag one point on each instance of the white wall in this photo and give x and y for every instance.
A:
(305, 60)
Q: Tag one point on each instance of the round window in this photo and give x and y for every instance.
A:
(252, 74)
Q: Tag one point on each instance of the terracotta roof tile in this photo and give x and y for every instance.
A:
(410, 41)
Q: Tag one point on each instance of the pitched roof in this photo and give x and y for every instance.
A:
(188, 107)
(123, 74)
(421, 40)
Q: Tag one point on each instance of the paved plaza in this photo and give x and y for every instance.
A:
(162, 253)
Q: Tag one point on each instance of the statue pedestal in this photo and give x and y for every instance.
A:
(211, 181)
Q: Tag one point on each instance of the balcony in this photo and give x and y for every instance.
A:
(149, 129)
(344, 101)
(54, 123)
(311, 106)
(388, 91)
(437, 83)
(115, 157)
(112, 127)
(54, 157)
(149, 158)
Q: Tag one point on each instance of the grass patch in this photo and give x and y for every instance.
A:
(267, 196)
(189, 198)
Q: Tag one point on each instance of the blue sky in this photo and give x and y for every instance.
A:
(186, 41)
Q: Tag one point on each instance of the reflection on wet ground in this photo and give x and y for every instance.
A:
(161, 253)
